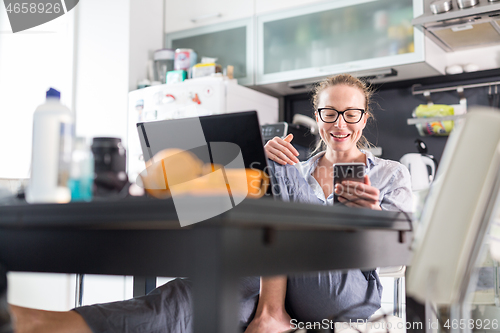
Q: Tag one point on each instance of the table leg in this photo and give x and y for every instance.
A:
(143, 285)
(6, 324)
(215, 288)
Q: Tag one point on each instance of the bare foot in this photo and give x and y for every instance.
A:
(28, 320)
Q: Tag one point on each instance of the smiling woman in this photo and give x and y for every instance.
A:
(342, 110)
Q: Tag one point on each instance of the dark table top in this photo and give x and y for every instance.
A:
(141, 236)
(146, 213)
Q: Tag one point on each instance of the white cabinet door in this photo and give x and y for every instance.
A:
(182, 15)
(232, 43)
(266, 6)
(337, 37)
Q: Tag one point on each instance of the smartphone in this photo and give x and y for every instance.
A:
(347, 171)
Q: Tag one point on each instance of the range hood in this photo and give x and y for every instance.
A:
(458, 29)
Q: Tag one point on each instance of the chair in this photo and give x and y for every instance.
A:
(461, 204)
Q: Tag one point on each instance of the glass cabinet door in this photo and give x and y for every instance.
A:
(231, 43)
(339, 36)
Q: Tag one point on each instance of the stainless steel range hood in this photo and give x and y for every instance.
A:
(459, 29)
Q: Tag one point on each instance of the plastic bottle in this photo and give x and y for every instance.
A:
(53, 132)
(81, 176)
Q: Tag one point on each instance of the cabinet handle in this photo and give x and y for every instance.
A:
(205, 17)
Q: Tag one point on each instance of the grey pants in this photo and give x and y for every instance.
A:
(309, 297)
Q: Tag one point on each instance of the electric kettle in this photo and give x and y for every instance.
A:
(422, 170)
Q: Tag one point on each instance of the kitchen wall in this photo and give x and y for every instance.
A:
(394, 104)
(146, 36)
(94, 55)
(30, 63)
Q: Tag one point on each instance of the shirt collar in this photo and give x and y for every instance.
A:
(370, 160)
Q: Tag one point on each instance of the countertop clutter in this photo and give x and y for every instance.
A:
(65, 168)
(173, 66)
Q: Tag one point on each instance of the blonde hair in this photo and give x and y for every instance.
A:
(351, 81)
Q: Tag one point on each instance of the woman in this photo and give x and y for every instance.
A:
(267, 306)
(341, 106)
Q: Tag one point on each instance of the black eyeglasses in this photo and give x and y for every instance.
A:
(351, 116)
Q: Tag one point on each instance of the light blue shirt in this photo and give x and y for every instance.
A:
(296, 183)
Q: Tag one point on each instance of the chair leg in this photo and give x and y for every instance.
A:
(79, 290)
(398, 297)
(6, 325)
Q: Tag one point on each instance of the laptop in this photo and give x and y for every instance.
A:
(240, 130)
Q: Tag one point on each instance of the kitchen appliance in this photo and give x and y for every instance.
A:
(468, 24)
(304, 137)
(190, 98)
(422, 169)
(441, 6)
(164, 62)
(462, 204)
(462, 4)
(270, 131)
(184, 59)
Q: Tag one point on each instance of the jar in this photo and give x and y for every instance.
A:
(109, 165)
(184, 59)
(163, 62)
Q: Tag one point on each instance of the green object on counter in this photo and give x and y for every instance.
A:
(81, 175)
(435, 128)
(81, 189)
(176, 76)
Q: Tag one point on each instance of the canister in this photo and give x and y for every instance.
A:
(184, 59)
(163, 62)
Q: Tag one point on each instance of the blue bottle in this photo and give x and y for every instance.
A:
(81, 179)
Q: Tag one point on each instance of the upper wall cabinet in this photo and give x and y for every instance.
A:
(181, 15)
(230, 42)
(267, 6)
(337, 36)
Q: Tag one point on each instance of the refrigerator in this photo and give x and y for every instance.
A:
(190, 98)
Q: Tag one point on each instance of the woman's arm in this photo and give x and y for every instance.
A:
(271, 316)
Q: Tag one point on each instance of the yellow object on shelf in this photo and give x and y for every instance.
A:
(205, 69)
(435, 128)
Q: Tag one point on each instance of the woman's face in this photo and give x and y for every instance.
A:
(341, 136)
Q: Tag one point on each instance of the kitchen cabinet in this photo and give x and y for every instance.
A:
(182, 15)
(336, 37)
(230, 42)
(266, 6)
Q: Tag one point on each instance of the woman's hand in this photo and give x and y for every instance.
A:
(281, 150)
(356, 194)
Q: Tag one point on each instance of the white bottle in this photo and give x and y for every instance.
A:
(53, 133)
